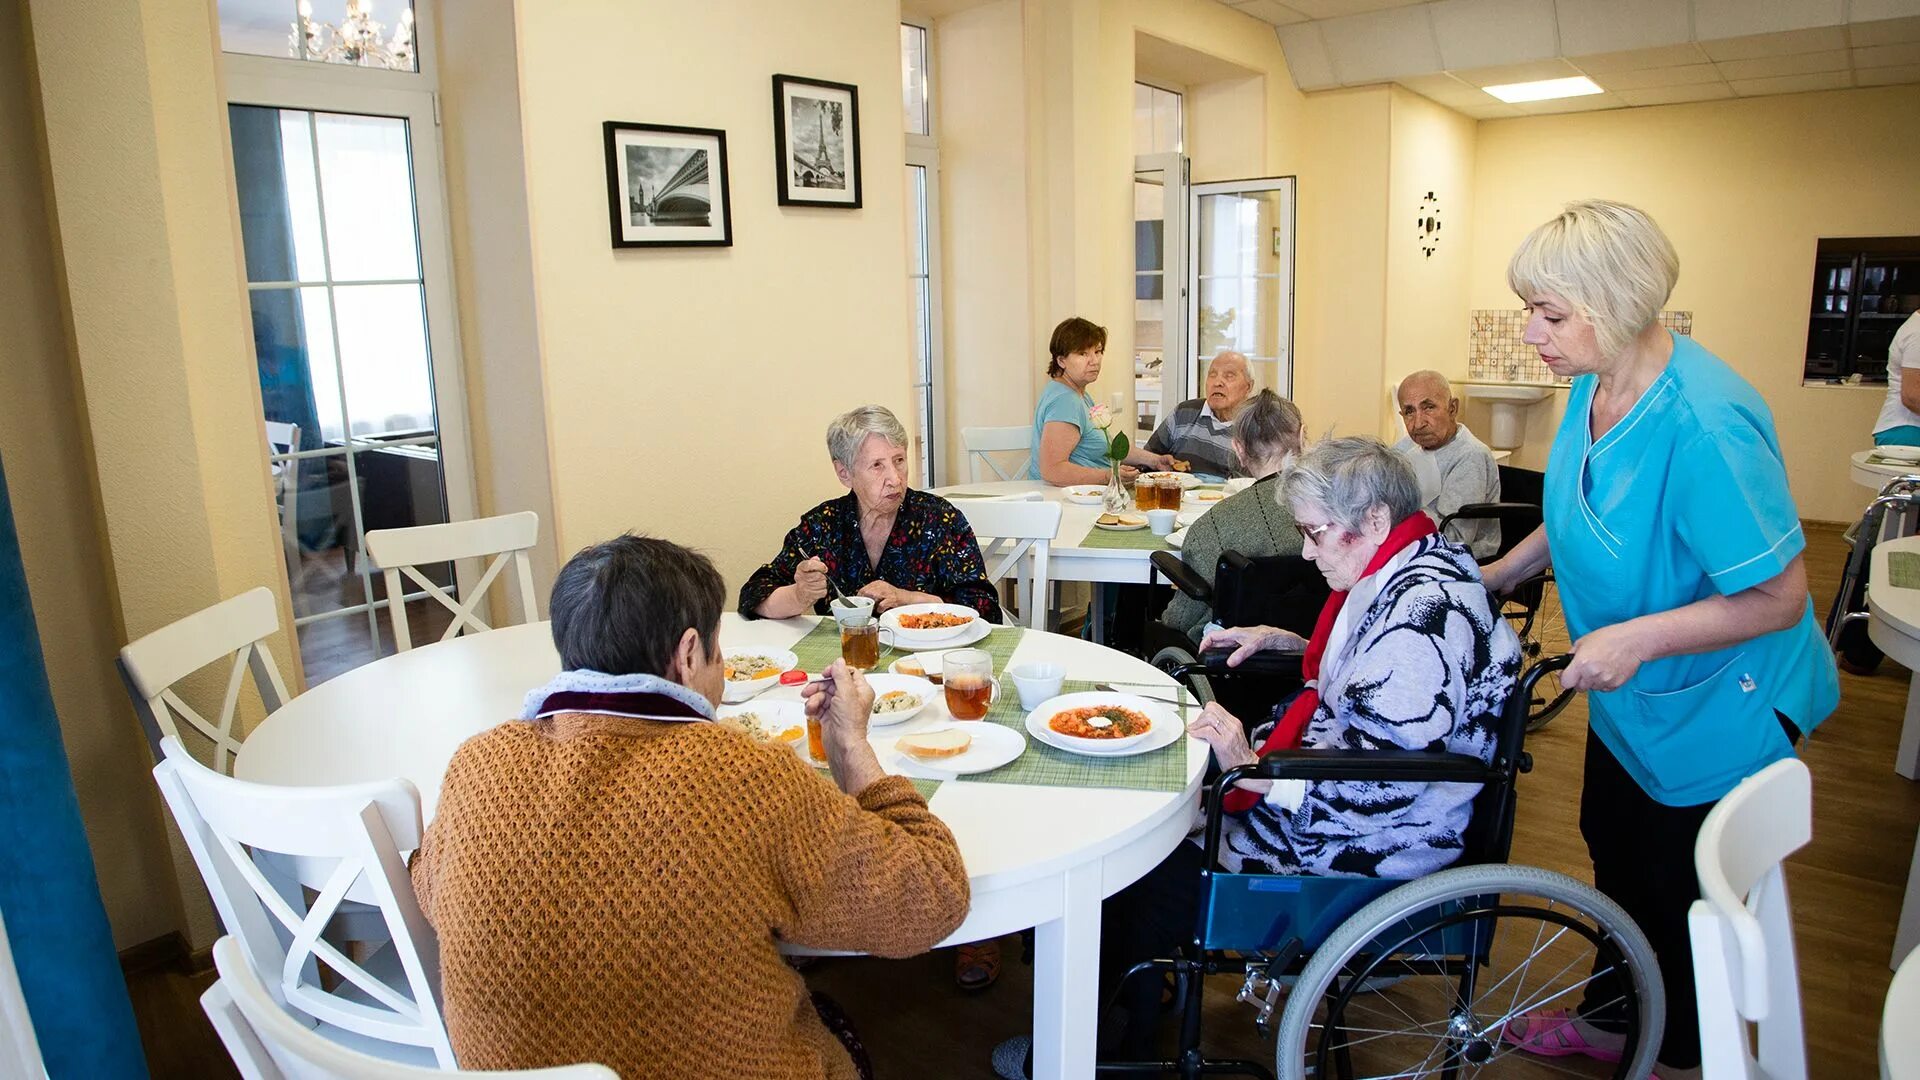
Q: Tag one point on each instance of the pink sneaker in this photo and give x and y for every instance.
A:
(1552, 1033)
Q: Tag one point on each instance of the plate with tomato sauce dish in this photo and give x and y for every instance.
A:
(1105, 724)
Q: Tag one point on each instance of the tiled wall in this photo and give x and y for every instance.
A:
(1495, 351)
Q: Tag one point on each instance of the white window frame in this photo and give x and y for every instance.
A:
(1289, 202)
(314, 86)
(924, 151)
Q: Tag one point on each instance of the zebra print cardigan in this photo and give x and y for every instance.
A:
(1428, 666)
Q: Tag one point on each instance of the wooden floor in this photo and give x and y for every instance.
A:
(1845, 889)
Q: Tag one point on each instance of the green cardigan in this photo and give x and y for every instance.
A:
(1252, 522)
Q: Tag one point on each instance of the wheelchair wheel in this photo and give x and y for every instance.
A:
(1173, 656)
(1542, 628)
(1425, 980)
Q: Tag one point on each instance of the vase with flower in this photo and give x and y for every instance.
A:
(1115, 498)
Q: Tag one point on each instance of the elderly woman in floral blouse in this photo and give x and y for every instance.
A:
(882, 539)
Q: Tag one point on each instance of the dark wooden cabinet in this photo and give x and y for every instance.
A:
(1863, 289)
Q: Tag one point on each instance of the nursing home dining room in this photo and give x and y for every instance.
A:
(960, 538)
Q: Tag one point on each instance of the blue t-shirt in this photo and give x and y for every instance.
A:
(1685, 498)
(1061, 404)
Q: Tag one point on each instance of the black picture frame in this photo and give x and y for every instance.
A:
(810, 175)
(685, 183)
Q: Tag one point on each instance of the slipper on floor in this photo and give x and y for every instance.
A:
(1552, 1033)
(976, 966)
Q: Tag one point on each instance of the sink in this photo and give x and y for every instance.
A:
(1509, 403)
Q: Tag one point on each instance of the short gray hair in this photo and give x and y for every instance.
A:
(1349, 476)
(1608, 260)
(850, 429)
(1253, 377)
(1268, 424)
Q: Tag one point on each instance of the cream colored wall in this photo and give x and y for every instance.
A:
(1226, 124)
(1744, 189)
(46, 453)
(493, 274)
(1431, 149)
(688, 390)
(992, 347)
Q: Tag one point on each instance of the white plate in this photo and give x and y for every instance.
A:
(1122, 528)
(992, 747)
(921, 639)
(975, 631)
(1899, 453)
(883, 684)
(1194, 499)
(1187, 480)
(1167, 724)
(1084, 494)
(775, 716)
(1176, 539)
(736, 692)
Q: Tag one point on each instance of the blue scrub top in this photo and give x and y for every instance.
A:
(1684, 498)
(1061, 404)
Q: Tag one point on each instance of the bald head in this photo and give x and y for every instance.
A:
(1428, 409)
(1229, 383)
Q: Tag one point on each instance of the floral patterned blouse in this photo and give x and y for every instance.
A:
(930, 550)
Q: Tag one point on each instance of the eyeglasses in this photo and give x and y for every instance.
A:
(1313, 532)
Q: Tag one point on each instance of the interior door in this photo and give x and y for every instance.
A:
(1159, 288)
(1241, 296)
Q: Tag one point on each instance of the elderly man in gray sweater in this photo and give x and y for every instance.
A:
(1454, 467)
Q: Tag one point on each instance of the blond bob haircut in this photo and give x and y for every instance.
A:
(1608, 260)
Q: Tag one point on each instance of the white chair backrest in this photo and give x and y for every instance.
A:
(402, 551)
(283, 438)
(1742, 929)
(983, 442)
(360, 829)
(1016, 537)
(272, 1040)
(19, 1049)
(236, 628)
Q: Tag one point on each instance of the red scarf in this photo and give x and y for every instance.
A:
(1291, 726)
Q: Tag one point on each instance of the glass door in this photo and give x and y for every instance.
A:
(928, 425)
(1159, 287)
(347, 274)
(1242, 293)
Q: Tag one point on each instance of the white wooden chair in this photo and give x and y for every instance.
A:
(285, 439)
(983, 442)
(354, 833)
(236, 628)
(1016, 538)
(19, 1049)
(1743, 959)
(268, 1044)
(403, 551)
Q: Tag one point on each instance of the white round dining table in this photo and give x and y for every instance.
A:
(1875, 475)
(1042, 857)
(1900, 1023)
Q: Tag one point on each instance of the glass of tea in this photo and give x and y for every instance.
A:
(1170, 493)
(1146, 493)
(967, 675)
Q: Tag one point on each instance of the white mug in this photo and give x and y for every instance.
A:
(851, 611)
(1037, 683)
(1160, 521)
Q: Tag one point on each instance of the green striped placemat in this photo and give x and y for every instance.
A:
(1133, 540)
(821, 647)
(1903, 567)
(1164, 769)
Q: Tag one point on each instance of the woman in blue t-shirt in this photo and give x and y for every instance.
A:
(1067, 448)
(1675, 547)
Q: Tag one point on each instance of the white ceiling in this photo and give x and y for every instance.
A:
(1641, 52)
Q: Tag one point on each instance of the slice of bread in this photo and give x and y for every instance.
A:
(935, 744)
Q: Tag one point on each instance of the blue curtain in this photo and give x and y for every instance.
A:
(49, 898)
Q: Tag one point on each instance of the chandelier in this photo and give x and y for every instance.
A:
(356, 40)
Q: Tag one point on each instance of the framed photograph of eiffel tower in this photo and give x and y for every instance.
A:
(816, 141)
(667, 186)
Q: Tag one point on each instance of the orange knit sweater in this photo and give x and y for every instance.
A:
(608, 889)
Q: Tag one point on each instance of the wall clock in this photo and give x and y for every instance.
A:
(1429, 224)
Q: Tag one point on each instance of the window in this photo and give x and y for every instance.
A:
(913, 78)
(328, 31)
(1156, 120)
(923, 251)
(1863, 290)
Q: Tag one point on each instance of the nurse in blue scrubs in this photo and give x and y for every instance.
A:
(1676, 550)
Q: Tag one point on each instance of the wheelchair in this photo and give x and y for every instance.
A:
(1274, 590)
(1894, 513)
(1385, 978)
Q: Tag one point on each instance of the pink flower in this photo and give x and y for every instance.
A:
(1102, 416)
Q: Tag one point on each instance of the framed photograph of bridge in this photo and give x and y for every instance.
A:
(816, 141)
(667, 186)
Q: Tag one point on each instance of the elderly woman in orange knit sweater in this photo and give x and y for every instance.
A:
(611, 875)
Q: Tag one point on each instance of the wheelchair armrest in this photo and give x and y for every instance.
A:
(1182, 576)
(1397, 765)
(1491, 509)
(1260, 664)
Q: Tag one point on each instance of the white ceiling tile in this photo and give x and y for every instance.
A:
(1767, 67)
(1861, 11)
(1381, 45)
(1270, 11)
(1334, 9)
(1604, 26)
(1786, 43)
(1589, 103)
(1887, 55)
(1476, 33)
(1517, 73)
(1440, 86)
(1307, 56)
(1639, 59)
(1886, 32)
(1792, 84)
(1675, 95)
(1738, 18)
(1887, 76)
(1686, 75)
